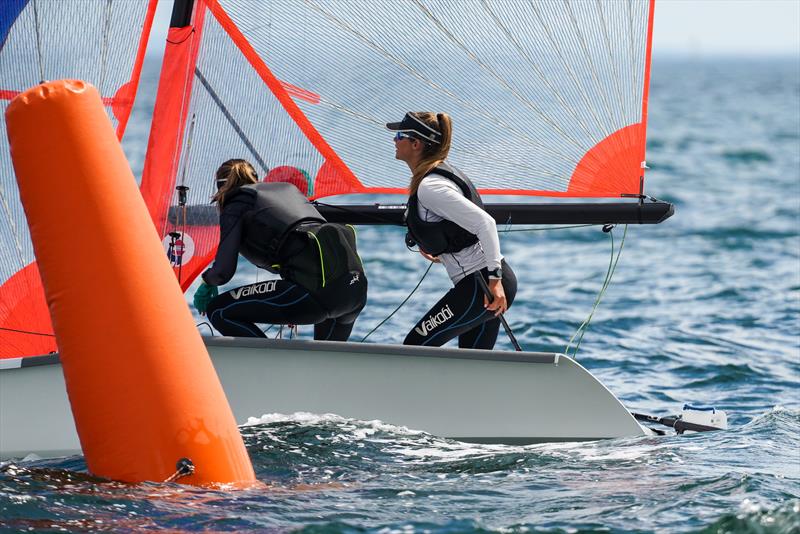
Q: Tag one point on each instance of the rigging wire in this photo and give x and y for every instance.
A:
(579, 333)
(508, 230)
(104, 48)
(466, 102)
(26, 332)
(612, 265)
(473, 57)
(38, 42)
(349, 210)
(583, 326)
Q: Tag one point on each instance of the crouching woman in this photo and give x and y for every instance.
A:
(275, 227)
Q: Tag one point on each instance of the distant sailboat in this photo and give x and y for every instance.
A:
(554, 92)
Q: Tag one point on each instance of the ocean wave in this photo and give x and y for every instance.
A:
(781, 419)
(365, 428)
(742, 233)
(787, 135)
(746, 155)
(761, 518)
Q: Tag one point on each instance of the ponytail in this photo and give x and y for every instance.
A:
(231, 175)
(433, 153)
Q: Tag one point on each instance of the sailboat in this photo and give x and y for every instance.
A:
(550, 100)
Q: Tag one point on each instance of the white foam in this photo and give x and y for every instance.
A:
(358, 427)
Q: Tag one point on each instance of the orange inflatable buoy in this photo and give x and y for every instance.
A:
(144, 394)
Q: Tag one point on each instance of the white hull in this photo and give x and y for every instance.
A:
(469, 395)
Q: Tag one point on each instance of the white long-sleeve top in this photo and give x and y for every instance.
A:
(440, 198)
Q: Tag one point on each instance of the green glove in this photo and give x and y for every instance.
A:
(203, 296)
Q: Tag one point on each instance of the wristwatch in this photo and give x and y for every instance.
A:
(497, 274)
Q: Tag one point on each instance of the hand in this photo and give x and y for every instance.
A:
(434, 259)
(203, 296)
(499, 304)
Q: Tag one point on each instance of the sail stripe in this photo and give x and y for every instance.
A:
(298, 92)
(282, 95)
(108, 101)
(123, 102)
(89, 40)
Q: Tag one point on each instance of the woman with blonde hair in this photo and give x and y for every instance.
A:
(446, 219)
(275, 227)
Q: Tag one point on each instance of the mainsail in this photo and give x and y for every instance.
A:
(99, 41)
(548, 98)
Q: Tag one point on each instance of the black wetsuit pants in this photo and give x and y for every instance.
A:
(236, 312)
(460, 312)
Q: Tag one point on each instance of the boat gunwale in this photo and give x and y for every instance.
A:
(382, 349)
(333, 346)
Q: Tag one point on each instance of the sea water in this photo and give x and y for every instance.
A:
(704, 308)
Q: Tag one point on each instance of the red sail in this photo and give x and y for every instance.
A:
(547, 99)
(88, 40)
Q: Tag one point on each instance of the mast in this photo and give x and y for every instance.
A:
(181, 13)
(171, 108)
(168, 128)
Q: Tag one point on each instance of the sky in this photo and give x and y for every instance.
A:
(727, 27)
(683, 27)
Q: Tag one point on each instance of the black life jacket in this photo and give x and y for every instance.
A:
(285, 234)
(267, 230)
(443, 236)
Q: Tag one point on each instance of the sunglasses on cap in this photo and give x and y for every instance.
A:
(399, 136)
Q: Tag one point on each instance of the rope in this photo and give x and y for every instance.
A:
(431, 265)
(184, 467)
(183, 191)
(401, 304)
(612, 265)
(198, 325)
(508, 230)
(579, 332)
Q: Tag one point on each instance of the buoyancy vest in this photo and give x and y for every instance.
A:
(442, 236)
(285, 234)
(267, 231)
